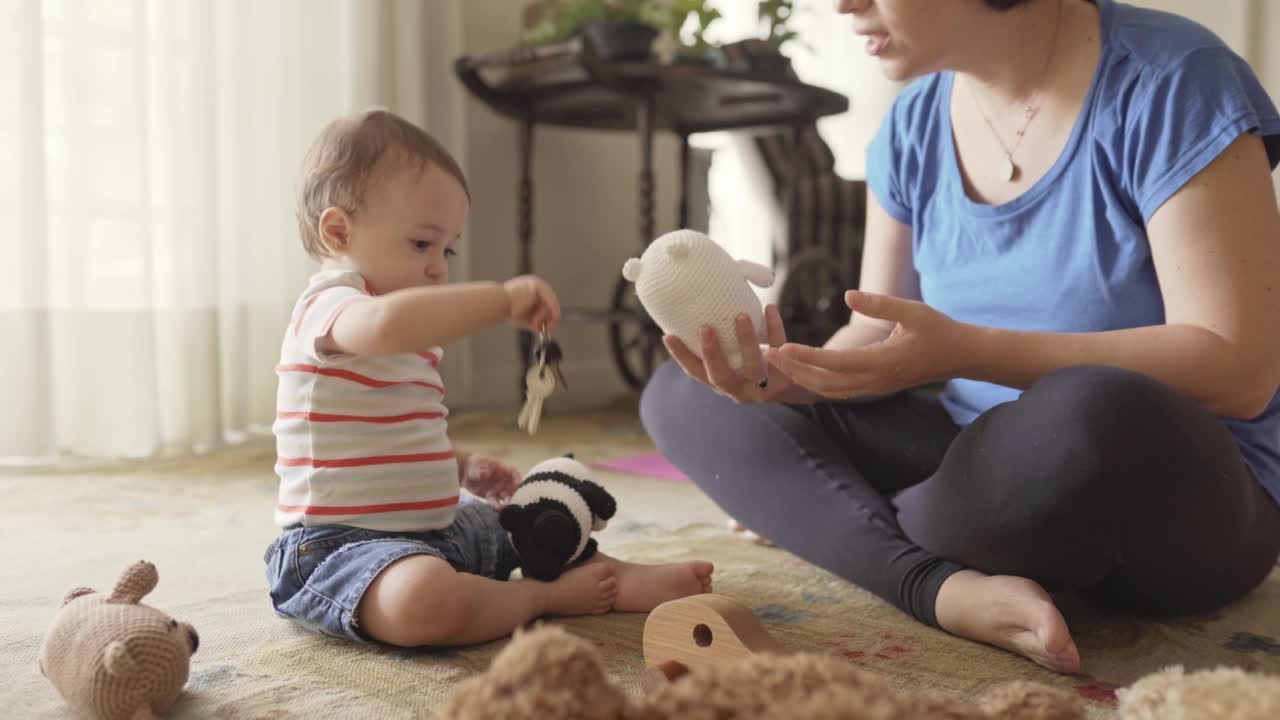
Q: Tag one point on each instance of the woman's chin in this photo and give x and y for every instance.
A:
(898, 69)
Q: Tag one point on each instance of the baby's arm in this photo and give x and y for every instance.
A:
(417, 319)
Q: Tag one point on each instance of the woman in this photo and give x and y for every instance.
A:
(1071, 220)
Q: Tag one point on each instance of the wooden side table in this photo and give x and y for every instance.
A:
(567, 85)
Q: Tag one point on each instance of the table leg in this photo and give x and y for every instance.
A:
(644, 125)
(524, 233)
(793, 194)
(683, 221)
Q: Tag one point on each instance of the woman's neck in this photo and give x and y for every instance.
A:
(1016, 52)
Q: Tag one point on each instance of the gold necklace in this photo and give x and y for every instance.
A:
(1030, 110)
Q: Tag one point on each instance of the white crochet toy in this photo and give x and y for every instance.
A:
(685, 281)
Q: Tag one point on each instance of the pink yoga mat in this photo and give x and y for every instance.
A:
(651, 464)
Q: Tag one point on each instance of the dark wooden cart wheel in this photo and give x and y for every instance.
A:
(811, 300)
(634, 338)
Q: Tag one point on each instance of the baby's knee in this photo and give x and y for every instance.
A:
(417, 601)
(444, 615)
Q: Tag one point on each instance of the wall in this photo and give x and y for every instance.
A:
(585, 225)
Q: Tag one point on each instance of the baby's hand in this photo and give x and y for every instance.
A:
(490, 479)
(533, 303)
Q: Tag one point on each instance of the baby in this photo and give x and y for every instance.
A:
(378, 543)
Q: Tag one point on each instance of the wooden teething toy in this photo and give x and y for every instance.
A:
(699, 631)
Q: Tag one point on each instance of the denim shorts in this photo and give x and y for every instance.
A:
(318, 574)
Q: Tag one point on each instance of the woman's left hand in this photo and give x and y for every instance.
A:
(490, 479)
(925, 346)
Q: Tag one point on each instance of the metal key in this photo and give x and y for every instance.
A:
(539, 383)
(547, 353)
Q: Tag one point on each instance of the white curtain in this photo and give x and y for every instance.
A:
(149, 257)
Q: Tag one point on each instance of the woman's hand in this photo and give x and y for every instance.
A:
(487, 478)
(755, 382)
(924, 346)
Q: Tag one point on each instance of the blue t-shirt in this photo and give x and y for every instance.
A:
(1071, 253)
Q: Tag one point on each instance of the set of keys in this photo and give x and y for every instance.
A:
(542, 379)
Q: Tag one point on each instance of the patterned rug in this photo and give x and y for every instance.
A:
(205, 523)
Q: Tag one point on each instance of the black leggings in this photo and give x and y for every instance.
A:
(1096, 479)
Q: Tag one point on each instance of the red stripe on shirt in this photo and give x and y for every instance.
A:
(298, 325)
(368, 509)
(363, 461)
(381, 419)
(353, 377)
(432, 357)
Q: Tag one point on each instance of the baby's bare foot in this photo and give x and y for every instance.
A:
(642, 588)
(583, 590)
(1009, 612)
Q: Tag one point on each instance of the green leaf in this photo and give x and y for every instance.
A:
(563, 19)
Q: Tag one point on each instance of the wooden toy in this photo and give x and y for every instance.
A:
(696, 631)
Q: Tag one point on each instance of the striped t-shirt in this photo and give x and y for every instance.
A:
(360, 439)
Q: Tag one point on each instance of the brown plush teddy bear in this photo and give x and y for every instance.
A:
(549, 673)
(1219, 693)
(113, 658)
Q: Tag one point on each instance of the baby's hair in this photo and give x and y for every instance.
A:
(347, 156)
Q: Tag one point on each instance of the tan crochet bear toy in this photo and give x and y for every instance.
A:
(113, 658)
(549, 673)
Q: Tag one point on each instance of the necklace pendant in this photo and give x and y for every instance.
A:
(1010, 171)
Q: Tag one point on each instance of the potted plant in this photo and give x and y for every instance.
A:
(776, 16)
(616, 29)
(697, 49)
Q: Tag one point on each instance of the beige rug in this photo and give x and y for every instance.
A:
(206, 522)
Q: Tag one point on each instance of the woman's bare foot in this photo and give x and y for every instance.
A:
(1009, 612)
(584, 590)
(642, 588)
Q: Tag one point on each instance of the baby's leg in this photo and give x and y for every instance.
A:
(642, 588)
(422, 600)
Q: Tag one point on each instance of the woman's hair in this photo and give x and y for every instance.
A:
(1005, 4)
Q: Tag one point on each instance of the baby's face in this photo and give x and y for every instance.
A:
(408, 229)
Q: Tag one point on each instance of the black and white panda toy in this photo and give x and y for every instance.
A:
(552, 514)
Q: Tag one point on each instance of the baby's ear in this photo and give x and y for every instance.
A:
(510, 517)
(334, 228)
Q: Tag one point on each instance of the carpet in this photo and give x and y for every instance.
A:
(205, 522)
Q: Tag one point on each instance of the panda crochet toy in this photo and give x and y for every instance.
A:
(551, 516)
